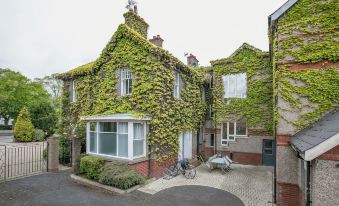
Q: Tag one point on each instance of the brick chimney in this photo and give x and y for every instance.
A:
(192, 61)
(157, 40)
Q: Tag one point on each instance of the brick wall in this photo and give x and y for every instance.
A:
(332, 154)
(157, 168)
(141, 167)
(241, 157)
(287, 194)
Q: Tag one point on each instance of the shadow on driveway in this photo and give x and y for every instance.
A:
(58, 189)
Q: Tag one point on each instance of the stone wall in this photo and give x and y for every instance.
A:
(325, 183)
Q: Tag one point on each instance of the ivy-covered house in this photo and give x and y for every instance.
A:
(240, 121)
(304, 47)
(136, 102)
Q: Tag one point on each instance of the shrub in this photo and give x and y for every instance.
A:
(120, 176)
(91, 166)
(23, 128)
(38, 135)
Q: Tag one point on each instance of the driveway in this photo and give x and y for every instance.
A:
(58, 189)
(252, 184)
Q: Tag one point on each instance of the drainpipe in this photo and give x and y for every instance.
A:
(308, 184)
(198, 144)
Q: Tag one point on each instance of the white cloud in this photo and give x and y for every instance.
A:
(41, 37)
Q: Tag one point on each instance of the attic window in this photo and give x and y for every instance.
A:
(126, 82)
(235, 85)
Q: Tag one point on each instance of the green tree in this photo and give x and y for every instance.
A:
(44, 117)
(23, 128)
(17, 91)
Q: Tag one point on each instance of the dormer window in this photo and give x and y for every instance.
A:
(126, 82)
(177, 85)
(73, 91)
(235, 85)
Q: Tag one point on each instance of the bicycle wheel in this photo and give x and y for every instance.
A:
(170, 172)
(190, 172)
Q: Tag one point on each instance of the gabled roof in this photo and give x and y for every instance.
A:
(242, 47)
(318, 138)
(126, 31)
(279, 12)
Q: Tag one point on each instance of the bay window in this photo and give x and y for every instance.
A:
(126, 140)
(235, 85)
(233, 130)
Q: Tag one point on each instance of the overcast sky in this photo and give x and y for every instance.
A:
(41, 37)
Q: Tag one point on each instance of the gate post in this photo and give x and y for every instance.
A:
(76, 151)
(53, 153)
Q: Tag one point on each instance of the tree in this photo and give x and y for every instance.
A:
(23, 128)
(51, 84)
(18, 91)
(44, 117)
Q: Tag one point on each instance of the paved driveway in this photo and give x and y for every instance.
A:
(57, 189)
(252, 184)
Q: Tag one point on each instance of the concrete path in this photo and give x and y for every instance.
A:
(55, 189)
(252, 184)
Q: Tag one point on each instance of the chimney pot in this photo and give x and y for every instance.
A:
(192, 61)
(157, 40)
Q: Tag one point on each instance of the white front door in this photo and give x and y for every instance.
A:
(185, 145)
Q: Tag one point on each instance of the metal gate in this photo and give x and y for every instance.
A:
(19, 160)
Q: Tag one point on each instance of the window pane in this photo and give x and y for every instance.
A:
(108, 143)
(224, 131)
(223, 142)
(130, 86)
(231, 128)
(231, 137)
(268, 144)
(138, 131)
(108, 126)
(93, 142)
(241, 128)
(123, 127)
(138, 147)
(123, 145)
(232, 86)
(241, 85)
(92, 126)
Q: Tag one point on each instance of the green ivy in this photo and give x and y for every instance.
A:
(306, 33)
(153, 69)
(257, 107)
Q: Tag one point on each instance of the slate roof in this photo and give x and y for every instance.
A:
(279, 12)
(317, 133)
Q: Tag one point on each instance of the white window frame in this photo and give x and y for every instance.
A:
(126, 75)
(130, 140)
(226, 89)
(227, 139)
(176, 89)
(143, 139)
(74, 92)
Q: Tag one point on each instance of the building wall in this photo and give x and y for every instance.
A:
(306, 76)
(325, 183)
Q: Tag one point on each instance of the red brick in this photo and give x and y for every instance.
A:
(288, 194)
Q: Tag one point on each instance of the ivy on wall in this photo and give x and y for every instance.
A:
(307, 33)
(257, 107)
(153, 70)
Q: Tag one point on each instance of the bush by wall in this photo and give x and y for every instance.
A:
(120, 176)
(23, 128)
(91, 166)
(38, 135)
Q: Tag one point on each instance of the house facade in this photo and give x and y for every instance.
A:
(304, 52)
(139, 104)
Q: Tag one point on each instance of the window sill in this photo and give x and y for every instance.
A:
(124, 160)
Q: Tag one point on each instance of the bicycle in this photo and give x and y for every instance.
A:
(182, 167)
